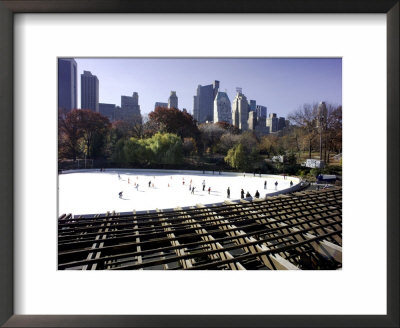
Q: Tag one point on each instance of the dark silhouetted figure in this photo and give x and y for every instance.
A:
(228, 193)
(120, 194)
(276, 185)
(248, 195)
(242, 193)
(257, 194)
(265, 184)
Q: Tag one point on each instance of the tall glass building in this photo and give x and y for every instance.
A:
(67, 84)
(89, 91)
(203, 102)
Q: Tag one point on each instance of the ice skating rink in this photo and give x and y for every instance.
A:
(92, 191)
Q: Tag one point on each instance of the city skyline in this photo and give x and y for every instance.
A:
(282, 85)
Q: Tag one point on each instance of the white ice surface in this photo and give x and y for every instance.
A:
(91, 191)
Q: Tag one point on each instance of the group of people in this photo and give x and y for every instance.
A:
(136, 185)
(192, 188)
(256, 195)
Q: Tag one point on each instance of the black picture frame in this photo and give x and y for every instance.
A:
(10, 7)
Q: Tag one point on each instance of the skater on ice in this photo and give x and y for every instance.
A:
(120, 194)
(265, 184)
(276, 185)
(291, 183)
(193, 190)
(242, 193)
(209, 190)
(228, 193)
(257, 194)
(204, 184)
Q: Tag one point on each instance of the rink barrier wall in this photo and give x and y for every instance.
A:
(194, 172)
(295, 188)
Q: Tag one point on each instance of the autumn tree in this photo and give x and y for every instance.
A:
(189, 146)
(228, 127)
(69, 133)
(269, 145)
(172, 120)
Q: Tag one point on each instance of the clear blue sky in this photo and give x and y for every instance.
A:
(280, 84)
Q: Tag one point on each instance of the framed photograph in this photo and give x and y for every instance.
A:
(189, 61)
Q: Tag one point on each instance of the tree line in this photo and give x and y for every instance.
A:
(169, 136)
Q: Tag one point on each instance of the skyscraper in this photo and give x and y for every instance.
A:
(130, 108)
(107, 110)
(272, 122)
(67, 84)
(240, 111)
(203, 102)
(252, 105)
(261, 111)
(252, 121)
(222, 108)
(89, 91)
(281, 123)
(173, 100)
(160, 104)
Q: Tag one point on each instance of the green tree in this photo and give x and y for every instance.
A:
(167, 148)
(162, 148)
(237, 157)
